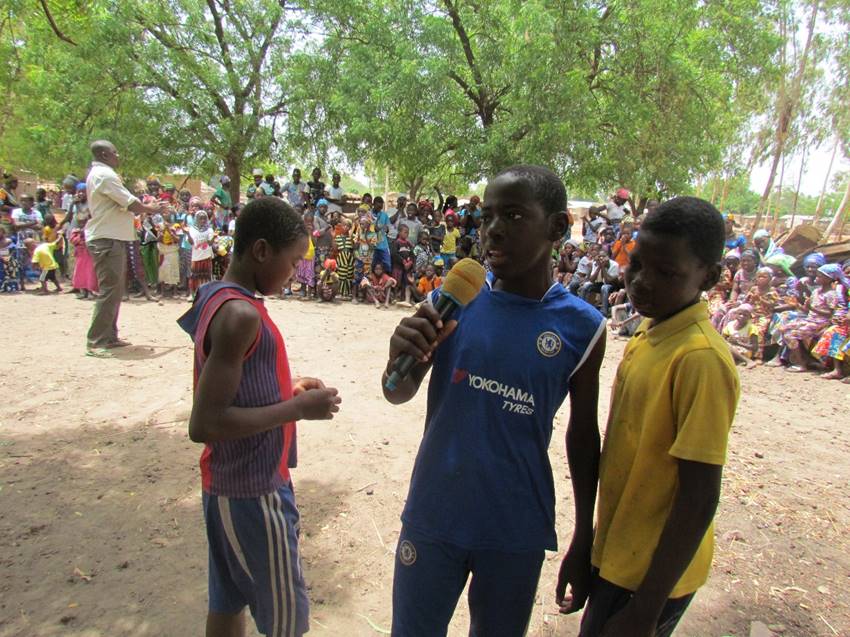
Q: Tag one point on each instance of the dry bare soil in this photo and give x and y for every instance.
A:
(101, 530)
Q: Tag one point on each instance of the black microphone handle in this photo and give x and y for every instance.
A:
(445, 306)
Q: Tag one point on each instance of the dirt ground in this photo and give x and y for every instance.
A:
(101, 530)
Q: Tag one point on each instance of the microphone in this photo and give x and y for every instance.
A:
(463, 283)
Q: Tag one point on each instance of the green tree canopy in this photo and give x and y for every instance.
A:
(174, 83)
(607, 94)
(646, 94)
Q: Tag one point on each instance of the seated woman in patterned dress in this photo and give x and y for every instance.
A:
(828, 303)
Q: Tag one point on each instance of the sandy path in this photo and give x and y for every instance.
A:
(101, 528)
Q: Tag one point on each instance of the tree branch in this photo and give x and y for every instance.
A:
(188, 62)
(277, 109)
(222, 44)
(463, 36)
(53, 24)
(466, 88)
(253, 82)
(237, 22)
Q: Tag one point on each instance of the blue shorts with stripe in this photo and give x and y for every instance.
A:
(254, 561)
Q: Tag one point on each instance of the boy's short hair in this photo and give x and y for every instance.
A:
(549, 191)
(267, 218)
(693, 219)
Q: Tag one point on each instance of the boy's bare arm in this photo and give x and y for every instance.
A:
(231, 333)
(583, 457)
(693, 510)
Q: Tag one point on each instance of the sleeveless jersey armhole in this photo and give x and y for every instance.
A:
(213, 305)
(593, 341)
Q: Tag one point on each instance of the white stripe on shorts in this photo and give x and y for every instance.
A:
(264, 505)
(293, 611)
(230, 532)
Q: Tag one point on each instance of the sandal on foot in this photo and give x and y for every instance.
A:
(100, 352)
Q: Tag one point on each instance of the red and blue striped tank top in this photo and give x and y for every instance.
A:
(258, 464)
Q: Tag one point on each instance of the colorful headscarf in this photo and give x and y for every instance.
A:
(733, 254)
(745, 307)
(834, 272)
(815, 258)
(791, 284)
(765, 270)
(322, 202)
(771, 248)
(750, 253)
(783, 261)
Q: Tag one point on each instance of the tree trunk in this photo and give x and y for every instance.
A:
(414, 187)
(778, 208)
(799, 183)
(724, 193)
(786, 106)
(826, 177)
(768, 208)
(839, 213)
(233, 169)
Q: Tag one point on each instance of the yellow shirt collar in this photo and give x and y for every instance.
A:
(676, 323)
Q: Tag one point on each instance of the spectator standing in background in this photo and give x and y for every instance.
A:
(336, 195)
(109, 229)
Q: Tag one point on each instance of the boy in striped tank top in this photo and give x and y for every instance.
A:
(245, 408)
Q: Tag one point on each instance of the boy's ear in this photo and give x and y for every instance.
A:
(261, 250)
(712, 276)
(557, 225)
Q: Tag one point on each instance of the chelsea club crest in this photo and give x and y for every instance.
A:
(549, 344)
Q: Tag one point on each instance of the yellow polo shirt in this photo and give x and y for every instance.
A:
(674, 397)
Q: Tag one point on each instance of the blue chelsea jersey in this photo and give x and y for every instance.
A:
(482, 478)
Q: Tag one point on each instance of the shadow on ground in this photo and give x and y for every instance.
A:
(102, 534)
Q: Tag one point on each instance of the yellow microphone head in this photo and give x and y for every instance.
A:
(464, 281)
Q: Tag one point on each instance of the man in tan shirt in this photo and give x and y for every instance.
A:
(109, 229)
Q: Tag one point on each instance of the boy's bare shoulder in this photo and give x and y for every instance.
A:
(236, 319)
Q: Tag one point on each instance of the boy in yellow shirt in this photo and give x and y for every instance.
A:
(44, 256)
(672, 406)
(449, 248)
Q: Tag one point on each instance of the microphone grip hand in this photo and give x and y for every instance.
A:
(416, 338)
